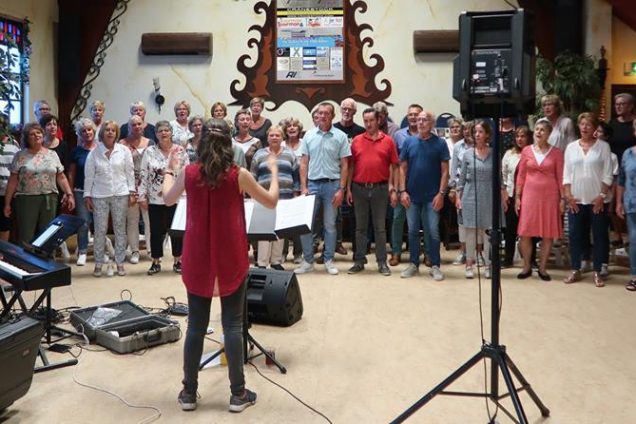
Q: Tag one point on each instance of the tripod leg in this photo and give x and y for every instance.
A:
(439, 388)
(545, 412)
(512, 390)
(210, 359)
(266, 353)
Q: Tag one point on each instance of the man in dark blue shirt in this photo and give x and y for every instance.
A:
(423, 183)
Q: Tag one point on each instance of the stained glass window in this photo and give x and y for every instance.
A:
(11, 81)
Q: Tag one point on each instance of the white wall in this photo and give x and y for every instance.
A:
(127, 74)
(43, 15)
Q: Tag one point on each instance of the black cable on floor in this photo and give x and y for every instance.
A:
(314, 410)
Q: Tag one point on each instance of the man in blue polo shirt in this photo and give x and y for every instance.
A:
(423, 183)
(323, 171)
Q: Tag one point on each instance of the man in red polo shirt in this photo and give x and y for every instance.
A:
(371, 186)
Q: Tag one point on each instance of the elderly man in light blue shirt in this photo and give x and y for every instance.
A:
(323, 172)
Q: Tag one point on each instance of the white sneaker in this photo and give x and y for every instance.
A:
(480, 260)
(604, 271)
(436, 273)
(460, 259)
(487, 273)
(469, 272)
(304, 268)
(110, 269)
(81, 259)
(331, 268)
(409, 271)
(134, 258)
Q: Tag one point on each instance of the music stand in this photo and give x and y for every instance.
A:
(54, 234)
(247, 339)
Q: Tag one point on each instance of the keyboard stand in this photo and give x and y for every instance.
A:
(49, 328)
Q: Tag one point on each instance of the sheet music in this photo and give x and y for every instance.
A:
(179, 219)
(296, 212)
(249, 211)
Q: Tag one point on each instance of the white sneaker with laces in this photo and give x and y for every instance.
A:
(81, 259)
(409, 271)
(460, 259)
(331, 268)
(304, 268)
(469, 272)
(487, 272)
(436, 273)
(134, 258)
(604, 271)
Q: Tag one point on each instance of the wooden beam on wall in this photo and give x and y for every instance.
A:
(436, 41)
(177, 43)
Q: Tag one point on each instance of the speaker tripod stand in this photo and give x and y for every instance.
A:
(496, 352)
(249, 342)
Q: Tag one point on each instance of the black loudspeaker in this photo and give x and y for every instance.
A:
(19, 342)
(273, 297)
(494, 74)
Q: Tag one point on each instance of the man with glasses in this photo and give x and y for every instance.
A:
(623, 137)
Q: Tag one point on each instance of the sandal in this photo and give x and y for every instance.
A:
(573, 277)
(631, 285)
(598, 281)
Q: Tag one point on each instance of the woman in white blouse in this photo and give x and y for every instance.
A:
(587, 178)
(109, 187)
(180, 131)
(154, 165)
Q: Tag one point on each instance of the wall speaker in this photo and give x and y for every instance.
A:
(494, 74)
(273, 297)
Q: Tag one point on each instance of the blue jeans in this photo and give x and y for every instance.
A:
(416, 215)
(397, 229)
(631, 230)
(87, 216)
(579, 226)
(324, 192)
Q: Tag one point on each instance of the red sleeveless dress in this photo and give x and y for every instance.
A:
(215, 243)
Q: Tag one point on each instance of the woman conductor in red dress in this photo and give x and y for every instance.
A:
(215, 254)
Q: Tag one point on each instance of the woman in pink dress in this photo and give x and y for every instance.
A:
(538, 197)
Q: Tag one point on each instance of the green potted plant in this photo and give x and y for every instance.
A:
(572, 77)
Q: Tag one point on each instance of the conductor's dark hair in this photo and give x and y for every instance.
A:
(215, 151)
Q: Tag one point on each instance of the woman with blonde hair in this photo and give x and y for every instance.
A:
(109, 188)
(137, 143)
(563, 132)
(180, 131)
(259, 124)
(36, 173)
(587, 178)
(538, 198)
(86, 142)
